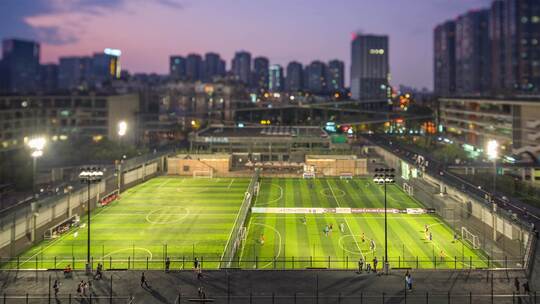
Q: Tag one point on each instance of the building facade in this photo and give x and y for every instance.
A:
(241, 66)
(260, 73)
(177, 67)
(316, 81)
(473, 54)
(275, 78)
(444, 41)
(20, 65)
(513, 122)
(60, 117)
(295, 77)
(370, 70)
(194, 67)
(211, 67)
(335, 76)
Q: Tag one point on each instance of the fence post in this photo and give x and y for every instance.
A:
(311, 261)
(5, 298)
(274, 262)
(26, 298)
(455, 262)
(256, 262)
(470, 262)
(49, 295)
(295, 298)
(470, 297)
(449, 297)
(416, 262)
(339, 298)
(383, 297)
(505, 262)
(202, 262)
(273, 298)
(129, 261)
(54, 262)
(183, 262)
(146, 262)
(69, 299)
(110, 262)
(427, 297)
(17, 263)
(250, 298)
(347, 262)
(293, 262)
(111, 291)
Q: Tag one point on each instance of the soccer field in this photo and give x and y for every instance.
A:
(183, 218)
(177, 217)
(298, 240)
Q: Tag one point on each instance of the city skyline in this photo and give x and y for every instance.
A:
(58, 27)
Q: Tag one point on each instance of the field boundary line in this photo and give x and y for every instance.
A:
(57, 240)
(230, 184)
(347, 222)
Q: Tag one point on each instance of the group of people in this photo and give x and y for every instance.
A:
(368, 267)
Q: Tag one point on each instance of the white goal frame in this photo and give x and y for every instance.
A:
(408, 189)
(308, 175)
(346, 176)
(203, 174)
(470, 237)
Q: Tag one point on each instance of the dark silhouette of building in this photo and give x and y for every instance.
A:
(335, 76)
(241, 66)
(49, 77)
(497, 22)
(316, 77)
(211, 65)
(275, 79)
(194, 67)
(20, 65)
(260, 73)
(444, 66)
(295, 76)
(74, 72)
(177, 67)
(370, 69)
(473, 54)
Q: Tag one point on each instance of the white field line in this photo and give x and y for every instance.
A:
(279, 247)
(57, 240)
(347, 222)
(230, 184)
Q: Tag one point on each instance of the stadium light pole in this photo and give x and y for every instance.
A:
(88, 176)
(36, 145)
(492, 151)
(384, 176)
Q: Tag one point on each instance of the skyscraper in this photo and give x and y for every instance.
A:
(106, 66)
(473, 53)
(275, 83)
(497, 45)
(211, 66)
(444, 67)
(49, 77)
(335, 76)
(295, 75)
(241, 66)
(20, 65)
(260, 73)
(522, 45)
(177, 67)
(222, 68)
(370, 71)
(74, 72)
(194, 67)
(316, 77)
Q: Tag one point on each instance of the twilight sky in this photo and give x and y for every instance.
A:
(148, 31)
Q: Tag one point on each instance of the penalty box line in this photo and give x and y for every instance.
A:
(346, 222)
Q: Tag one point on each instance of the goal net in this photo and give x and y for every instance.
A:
(203, 174)
(408, 189)
(308, 175)
(470, 237)
(346, 176)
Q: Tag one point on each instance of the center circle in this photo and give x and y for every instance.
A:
(167, 215)
(336, 192)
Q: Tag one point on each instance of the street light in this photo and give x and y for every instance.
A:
(122, 128)
(492, 151)
(36, 144)
(88, 176)
(384, 176)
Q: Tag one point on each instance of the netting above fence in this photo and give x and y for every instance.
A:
(237, 232)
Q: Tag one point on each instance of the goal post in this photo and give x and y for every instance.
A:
(203, 174)
(470, 237)
(346, 176)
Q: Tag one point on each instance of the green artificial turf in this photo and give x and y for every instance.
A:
(180, 217)
(185, 217)
(289, 242)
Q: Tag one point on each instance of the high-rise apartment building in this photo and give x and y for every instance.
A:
(260, 73)
(275, 78)
(370, 70)
(241, 66)
(295, 77)
(20, 65)
(444, 66)
(335, 76)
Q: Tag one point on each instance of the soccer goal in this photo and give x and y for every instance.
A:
(346, 176)
(203, 174)
(470, 237)
(408, 189)
(308, 175)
